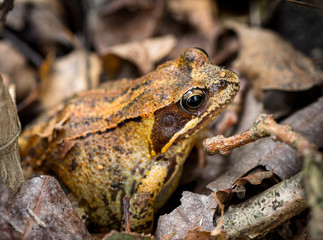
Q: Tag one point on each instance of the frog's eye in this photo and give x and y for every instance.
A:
(193, 100)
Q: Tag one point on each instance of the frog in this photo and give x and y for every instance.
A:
(129, 138)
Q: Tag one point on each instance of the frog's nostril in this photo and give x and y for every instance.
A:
(222, 83)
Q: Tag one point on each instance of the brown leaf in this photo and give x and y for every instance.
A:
(10, 170)
(270, 62)
(198, 234)
(50, 214)
(17, 70)
(200, 14)
(67, 76)
(118, 22)
(5, 7)
(144, 54)
(254, 178)
(12, 219)
(218, 232)
(194, 210)
(224, 195)
(43, 22)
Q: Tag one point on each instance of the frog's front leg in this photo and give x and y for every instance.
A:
(142, 203)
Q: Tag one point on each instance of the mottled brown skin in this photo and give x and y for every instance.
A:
(130, 138)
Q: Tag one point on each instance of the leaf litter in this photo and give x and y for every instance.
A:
(128, 38)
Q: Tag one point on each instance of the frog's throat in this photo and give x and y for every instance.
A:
(191, 126)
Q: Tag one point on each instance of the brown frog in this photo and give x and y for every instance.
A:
(130, 137)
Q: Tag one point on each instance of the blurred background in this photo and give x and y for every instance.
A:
(50, 49)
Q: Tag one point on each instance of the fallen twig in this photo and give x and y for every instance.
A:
(266, 211)
(36, 219)
(266, 126)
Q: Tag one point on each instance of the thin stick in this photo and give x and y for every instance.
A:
(266, 126)
(126, 204)
(304, 4)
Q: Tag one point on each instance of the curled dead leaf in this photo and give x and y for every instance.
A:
(224, 195)
(254, 178)
(218, 232)
(198, 233)
(144, 54)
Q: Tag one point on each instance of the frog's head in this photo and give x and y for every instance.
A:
(199, 93)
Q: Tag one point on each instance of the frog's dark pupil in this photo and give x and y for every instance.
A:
(194, 101)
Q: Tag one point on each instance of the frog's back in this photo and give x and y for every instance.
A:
(77, 141)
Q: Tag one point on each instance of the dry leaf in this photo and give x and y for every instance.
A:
(200, 14)
(43, 22)
(10, 129)
(224, 195)
(17, 70)
(144, 54)
(50, 214)
(254, 178)
(12, 219)
(270, 62)
(198, 234)
(5, 7)
(39, 211)
(218, 232)
(194, 210)
(117, 22)
(67, 75)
